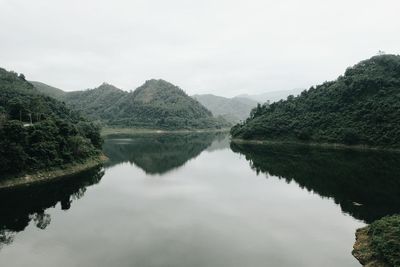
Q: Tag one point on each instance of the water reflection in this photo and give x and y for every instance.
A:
(19, 207)
(364, 184)
(159, 153)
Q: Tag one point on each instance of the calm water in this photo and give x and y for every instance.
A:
(196, 200)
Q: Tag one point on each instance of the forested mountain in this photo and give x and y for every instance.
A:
(156, 104)
(360, 107)
(160, 104)
(232, 109)
(95, 103)
(271, 96)
(48, 90)
(37, 131)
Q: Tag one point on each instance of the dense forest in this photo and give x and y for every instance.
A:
(160, 104)
(232, 109)
(39, 132)
(156, 104)
(360, 107)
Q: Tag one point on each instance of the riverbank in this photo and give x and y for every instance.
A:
(321, 145)
(112, 131)
(378, 244)
(50, 175)
(362, 250)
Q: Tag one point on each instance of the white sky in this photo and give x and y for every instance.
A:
(224, 47)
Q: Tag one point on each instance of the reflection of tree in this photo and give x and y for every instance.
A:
(18, 207)
(365, 184)
(6, 237)
(42, 220)
(157, 153)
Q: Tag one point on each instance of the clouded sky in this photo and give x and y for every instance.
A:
(224, 47)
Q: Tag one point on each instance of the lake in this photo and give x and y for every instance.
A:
(197, 200)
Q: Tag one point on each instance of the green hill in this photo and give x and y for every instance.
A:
(48, 90)
(360, 107)
(160, 104)
(39, 132)
(156, 104)
(232, 109)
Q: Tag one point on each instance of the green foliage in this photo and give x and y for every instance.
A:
(361, 107)
(39, 132)
(385, 239)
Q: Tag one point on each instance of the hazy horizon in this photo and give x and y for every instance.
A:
(222, 47)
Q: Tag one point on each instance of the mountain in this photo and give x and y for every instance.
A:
(160, 104)
(48, 90)
(39, 132)
(272, 96)
(360, 107)
(232, 109)
(156, 104)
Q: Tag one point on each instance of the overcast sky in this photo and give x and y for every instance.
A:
(224, 47)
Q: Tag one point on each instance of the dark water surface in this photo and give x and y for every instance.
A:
(196, 200)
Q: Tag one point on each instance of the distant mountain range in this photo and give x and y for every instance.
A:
(156, 104)
(272, 96)
(169, 106)
(238, 108)
(232, 109)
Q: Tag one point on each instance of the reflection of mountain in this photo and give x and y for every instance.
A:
(157, 153)
(365, 184)
(18, 207)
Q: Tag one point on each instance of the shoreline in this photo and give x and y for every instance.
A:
(110, 131)
(50, 175)
(337, 146)
(363, 252)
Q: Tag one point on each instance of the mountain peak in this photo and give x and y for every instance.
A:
(107, 87)
(158, 83)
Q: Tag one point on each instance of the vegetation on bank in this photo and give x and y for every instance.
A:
(38, 132)
(379, 243)
(156, 104)
(50, 174)
(360, 107)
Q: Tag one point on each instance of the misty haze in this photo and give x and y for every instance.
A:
(199, 133)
